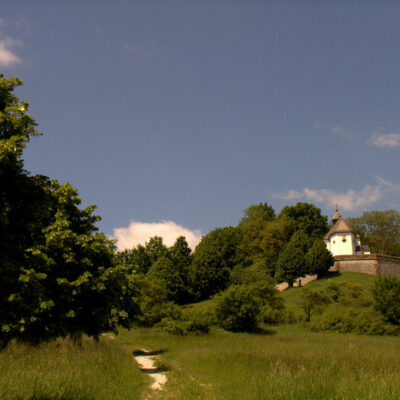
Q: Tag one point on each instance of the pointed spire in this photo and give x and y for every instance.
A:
(337, 214)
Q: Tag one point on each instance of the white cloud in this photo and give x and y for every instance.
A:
(7, 56)
(384, 139)
(140, 232)
(349, 200)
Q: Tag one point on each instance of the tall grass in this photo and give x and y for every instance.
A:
(60, 371)
(292, 364)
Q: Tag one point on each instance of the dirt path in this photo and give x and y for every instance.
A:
(146, 361)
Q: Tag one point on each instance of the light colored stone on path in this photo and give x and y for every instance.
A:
(146, 361)
(307, 279)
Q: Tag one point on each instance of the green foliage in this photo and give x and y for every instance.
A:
(57, 274)
(352, 311)
(312, 299)
(237, 309)
(213, 260)
(137, 258)
(386, 293)
(153, 302)
(186, 323)
(318, 259)
(351, 319)
(254, 212)
(165, 270)
(291, 263)
(155, 248)
(380, 230)
(307, 218)
(263, 240)
(274, 316)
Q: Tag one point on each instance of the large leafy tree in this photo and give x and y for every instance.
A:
(262, 241)
(57, 274)
(213, 259)
(307, 218)
(380, 230)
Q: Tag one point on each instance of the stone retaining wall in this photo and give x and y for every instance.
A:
(371, 264)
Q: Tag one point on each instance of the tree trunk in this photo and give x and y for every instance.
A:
(76, 338)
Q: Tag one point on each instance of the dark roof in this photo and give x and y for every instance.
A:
(341, 226)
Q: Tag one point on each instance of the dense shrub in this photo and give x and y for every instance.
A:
(274, 316)
(347, 319)
(386, 293)
(238, 308)
(187, 323)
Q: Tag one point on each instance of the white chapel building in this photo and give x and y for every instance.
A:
(342, 240)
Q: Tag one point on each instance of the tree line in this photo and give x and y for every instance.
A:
(59, 276)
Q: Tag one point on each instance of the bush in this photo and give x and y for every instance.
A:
(386, 293)
(187, 323)
(274, 316)
(237, 309)
(345, 319)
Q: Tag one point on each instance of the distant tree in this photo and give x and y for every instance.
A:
(318, 259)
(137, 258)
(262, 241)
(166, 271)
(261, 211)
(307, 218)
(312, 299)
(180, 253)
(214, 257)
(155, 248)
(386, 293)
(380, 230)
(291, 263)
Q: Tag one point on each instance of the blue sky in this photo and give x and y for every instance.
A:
(190, 111)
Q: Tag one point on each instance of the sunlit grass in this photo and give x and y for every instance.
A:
(60, 371)
(290, 364)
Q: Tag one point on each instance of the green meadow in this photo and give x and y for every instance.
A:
(285, 362)
(59, 371)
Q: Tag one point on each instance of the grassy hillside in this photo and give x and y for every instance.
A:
(289, 363)
(292, 296)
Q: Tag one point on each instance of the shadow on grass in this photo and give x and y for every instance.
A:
(148, 353)
(329, 274)
(264, 331)
(57, 397)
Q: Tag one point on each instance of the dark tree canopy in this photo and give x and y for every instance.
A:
(291, 263)
(319, 259)
(307, 218)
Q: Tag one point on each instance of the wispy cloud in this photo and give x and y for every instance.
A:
(339, 130)
(7, 55)
(140, 232)
(384, 139)
(349, 200)
(140, 46)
